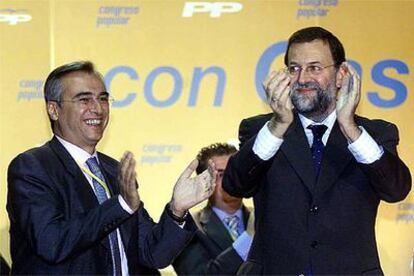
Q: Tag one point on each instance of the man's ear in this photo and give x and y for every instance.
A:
(342, 71)
(53, 110)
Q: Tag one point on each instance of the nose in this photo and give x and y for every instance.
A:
(303, 76)
(96, 106)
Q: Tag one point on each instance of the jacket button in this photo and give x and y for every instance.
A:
(314, 244)
(314, 209)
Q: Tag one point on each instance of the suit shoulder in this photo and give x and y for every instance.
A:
(107, 159)
(38, 153)
(377, 126)
(256, 120)
(249, 127)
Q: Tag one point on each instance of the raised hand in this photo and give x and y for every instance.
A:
(128, 185)
(189, 191)
(277, 87)
(347, 102)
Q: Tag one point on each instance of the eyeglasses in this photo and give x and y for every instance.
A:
(88, 100)
(313, 70)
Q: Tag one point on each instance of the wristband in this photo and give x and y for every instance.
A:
(177, 219)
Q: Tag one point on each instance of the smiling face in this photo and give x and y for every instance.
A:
(75, 121)
(314, 95)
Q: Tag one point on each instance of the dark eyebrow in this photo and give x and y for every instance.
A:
(309, 63)
(88, 93)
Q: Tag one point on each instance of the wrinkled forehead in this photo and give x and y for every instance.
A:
(82, 81)
(315, 51)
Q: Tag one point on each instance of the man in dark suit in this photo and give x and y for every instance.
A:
(225, 225)
(74, 210)
(316, 170)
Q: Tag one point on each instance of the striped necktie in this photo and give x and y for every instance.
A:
(102, 196)
(232, 224)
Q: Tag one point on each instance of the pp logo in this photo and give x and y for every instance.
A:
(215, 9)
(11, 17)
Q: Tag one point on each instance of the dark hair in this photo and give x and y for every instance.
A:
(53, 86)
(217, 149)
(311, 33)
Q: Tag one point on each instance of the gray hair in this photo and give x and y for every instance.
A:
(53, 87)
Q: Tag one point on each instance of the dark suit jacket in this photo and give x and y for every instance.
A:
(57, 225)
(210, 251)
(327, 225)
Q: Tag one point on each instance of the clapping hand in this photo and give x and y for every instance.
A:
(277, 87)
(189, 191)
(349, 94)
(347, 102)
(128, 185)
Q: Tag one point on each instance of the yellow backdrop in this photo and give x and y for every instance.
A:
(185, 73)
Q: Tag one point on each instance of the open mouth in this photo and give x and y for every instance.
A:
(93, 122)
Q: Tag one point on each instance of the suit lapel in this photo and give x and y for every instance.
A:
(110, 173)
(214, 228)
(297, 151)
(78, 181)
(335, 158)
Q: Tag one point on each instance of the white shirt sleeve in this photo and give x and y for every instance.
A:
(124, 205)
(266, 144)
(365, 149)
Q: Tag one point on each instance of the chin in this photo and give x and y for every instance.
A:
(304, 106)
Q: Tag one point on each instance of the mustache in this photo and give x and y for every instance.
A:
(308, 85)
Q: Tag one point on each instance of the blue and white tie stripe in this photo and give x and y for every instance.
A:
(101, 195)
(232, 223)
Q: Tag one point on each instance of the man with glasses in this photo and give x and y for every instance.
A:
(316, 170)
(74, 210)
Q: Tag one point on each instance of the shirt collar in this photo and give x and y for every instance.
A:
(329, 121)
(222, 215)
(76, 152)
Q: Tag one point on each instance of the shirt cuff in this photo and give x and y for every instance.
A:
(124, 205)
(266, 144)
(242, 245)
(365, 149)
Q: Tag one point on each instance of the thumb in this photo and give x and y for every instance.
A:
(189, 170)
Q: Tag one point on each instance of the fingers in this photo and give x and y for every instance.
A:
(268, 79)
(127, 181)
(204, 180)
(127, 169)
(285, 100)
(189, 170)
(276, 84)
(351, 70)
(352, 73)
(207, 180)
(353, 81)
(213, 173)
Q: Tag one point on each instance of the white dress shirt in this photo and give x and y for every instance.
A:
(364, 149)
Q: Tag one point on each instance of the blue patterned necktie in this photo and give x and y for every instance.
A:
(102, 196)
(232, 223)
(317, 145)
